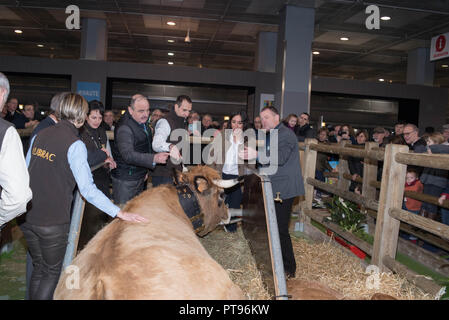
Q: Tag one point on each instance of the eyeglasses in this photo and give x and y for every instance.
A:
(236, 122)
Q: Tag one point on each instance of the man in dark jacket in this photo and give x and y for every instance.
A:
(304, 130)
(286, 178)
(162, 142)
(411, 137)
(132, 151)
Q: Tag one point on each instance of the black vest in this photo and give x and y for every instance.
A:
(175, 122)
(51, 178)
(141, 143)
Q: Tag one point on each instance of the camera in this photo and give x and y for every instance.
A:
(340, 133)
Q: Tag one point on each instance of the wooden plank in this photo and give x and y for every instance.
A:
(309, 171)
(437, 161)
(391, 194)
(421, 281)
(426, 198)
(343, 168)
(375, 154)
(362, 245)
(432, 226)
(424, 256)
(351, 196)
(424, 235)
(369, 172)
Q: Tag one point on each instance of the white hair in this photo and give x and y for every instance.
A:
(4, 84)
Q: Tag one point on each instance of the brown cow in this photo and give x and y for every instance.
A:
(161, 259)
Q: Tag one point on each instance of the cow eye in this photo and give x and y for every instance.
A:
(221, 197)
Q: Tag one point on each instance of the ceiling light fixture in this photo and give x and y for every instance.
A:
(170, 41)
(444, 66)
(385, 18)
(171, 23)
(381, 80)
(40, 45)
(170, 62)
(187, 38)
(18, 31)
(315, 52)
(344, 38)
(171, 54)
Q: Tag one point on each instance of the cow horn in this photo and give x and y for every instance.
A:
(225, 183)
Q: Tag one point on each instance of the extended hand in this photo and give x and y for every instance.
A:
(131, 217)
(109, 162)
(174, 152)
(161, 157)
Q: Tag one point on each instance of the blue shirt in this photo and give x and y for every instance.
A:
(77, 157)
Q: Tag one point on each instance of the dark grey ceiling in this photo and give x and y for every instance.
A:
(223, 33)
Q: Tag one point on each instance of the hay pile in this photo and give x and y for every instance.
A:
(342, 271)
(232, 252)
(326, 263)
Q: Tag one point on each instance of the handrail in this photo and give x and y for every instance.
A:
(345, 151)
(75, 224)
(436, 161)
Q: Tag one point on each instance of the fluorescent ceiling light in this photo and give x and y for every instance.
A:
(316, 52)
(444, 66)
(170, 62)
(385, 18)
(40, 45)
(171, 23)
(171, 54)
(381, 80)
(344, 38)
(170, 41)
(18, 31)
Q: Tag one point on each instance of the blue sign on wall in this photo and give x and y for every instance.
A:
(89, 90)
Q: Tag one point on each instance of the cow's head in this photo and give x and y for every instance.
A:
(206, 183)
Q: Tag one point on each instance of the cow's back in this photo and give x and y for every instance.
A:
(161, 259)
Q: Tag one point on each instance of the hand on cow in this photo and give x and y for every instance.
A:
(131, 217)
(161, 157)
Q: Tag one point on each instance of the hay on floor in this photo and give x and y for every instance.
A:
(325, 262)
(342, 271)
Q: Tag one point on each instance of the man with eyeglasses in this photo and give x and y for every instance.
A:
(304, 130)
(411, 137)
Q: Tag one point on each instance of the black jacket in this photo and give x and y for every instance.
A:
(304, 132)
(132, 149)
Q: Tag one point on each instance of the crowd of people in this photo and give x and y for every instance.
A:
(72, 139)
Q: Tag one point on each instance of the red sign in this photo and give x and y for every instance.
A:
(439, 47)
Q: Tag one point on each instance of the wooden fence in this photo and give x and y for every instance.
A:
(386, 209)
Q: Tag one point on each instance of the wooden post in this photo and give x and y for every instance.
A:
(391, 194)
(343, 168)
(309, 171)
(369, 173)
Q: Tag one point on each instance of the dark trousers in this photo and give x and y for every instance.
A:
(47, 246)
(433, 191)
(233, 198)
(125, 190)
(283, 211)
(158, 180)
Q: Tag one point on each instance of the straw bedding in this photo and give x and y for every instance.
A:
(325, 263)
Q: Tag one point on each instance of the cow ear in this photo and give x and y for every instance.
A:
(178, 177)
(201, 184)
